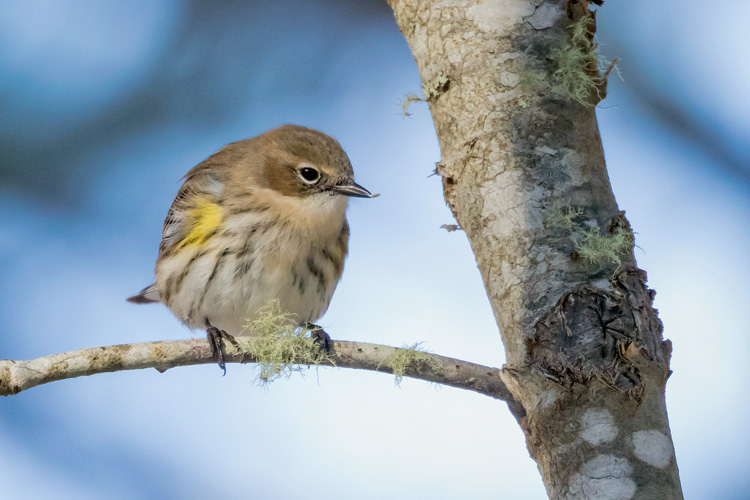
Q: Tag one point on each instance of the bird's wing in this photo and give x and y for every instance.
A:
(192, 218)
(195, 214)
(146, 296)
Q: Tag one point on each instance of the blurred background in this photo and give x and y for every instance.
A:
(105, 105)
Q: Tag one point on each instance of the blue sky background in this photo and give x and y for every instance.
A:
(105, 105)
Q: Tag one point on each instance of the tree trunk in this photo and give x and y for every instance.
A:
(512, 86)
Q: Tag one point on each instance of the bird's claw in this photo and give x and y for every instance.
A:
(320, 337)
(216, 339)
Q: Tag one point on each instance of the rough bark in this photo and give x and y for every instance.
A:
(523, 172)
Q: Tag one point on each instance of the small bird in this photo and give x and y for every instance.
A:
(262, 219)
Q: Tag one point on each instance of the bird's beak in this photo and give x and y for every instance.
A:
(353, 189)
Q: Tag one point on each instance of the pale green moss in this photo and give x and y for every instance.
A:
(597, 248)
(412, 356)
(532, 76)
(406, 103)
(432, 89)
(579, 65)
(280, 347)
(561, 215)
(574, 63)
(590, 243)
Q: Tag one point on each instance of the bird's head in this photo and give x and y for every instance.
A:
(302, 162)
(302, 174)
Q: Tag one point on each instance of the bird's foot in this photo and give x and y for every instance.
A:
(319, 336)
(216, 339)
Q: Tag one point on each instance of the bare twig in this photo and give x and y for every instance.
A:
(17, 376)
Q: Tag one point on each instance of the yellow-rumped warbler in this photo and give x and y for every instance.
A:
(262, 219)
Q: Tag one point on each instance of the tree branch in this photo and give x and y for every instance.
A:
(512, 87)
(17, 376)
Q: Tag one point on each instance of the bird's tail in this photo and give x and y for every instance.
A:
(148, 295)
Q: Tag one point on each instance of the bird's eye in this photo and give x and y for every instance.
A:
(309, 175)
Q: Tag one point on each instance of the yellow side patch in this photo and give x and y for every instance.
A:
(205, 220)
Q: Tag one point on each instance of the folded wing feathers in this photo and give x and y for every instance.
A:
(148, 295)
(200, 181)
